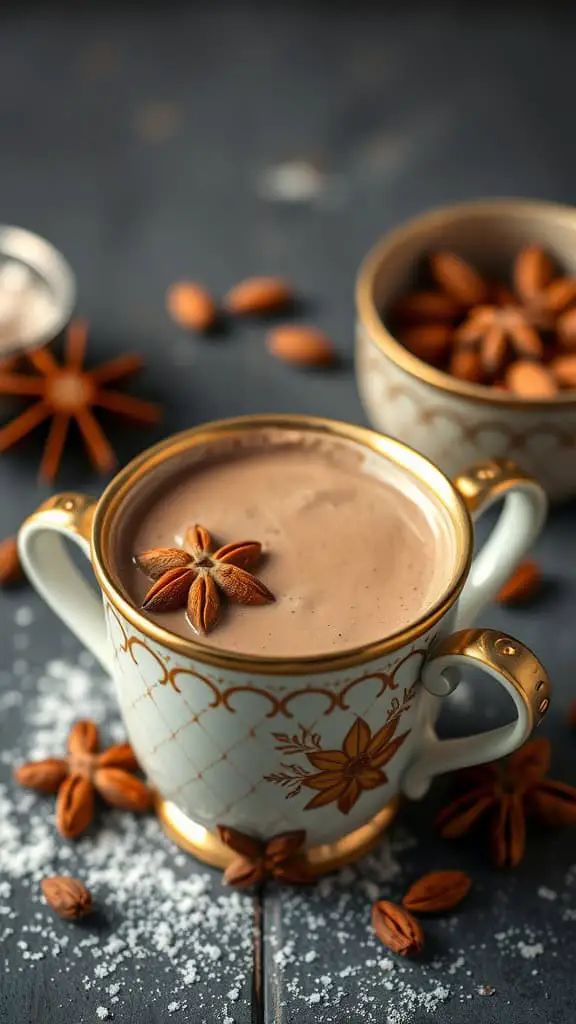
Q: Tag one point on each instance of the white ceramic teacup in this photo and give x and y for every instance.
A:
(321, 744)
(455, 422)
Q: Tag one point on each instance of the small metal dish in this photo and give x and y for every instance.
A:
(43, 261)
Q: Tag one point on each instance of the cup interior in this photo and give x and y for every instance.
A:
(379, 456)
(488, 235)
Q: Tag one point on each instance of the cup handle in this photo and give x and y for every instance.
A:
(517, 670)
(520, 522)
(52, 572)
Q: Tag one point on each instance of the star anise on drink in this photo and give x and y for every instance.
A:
(509, 792)
(68, 391)
(280, 857)
(83, 772)
(194, 577)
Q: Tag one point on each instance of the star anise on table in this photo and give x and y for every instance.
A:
(508, 793)
(194, 577)
(66, 392)
(281, 858)
(82, 773)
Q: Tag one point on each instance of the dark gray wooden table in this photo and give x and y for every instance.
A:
(145, 141)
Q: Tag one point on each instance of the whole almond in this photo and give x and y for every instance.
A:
(466, 364)
(191, 306)
(533, 271)
(564, 370)
(524, 582)
(67, 896)
(566, 329)
(258, 295)
(397, 928)
(437, 891)
(120, 789)
(301, 345)
(531, 380)
(458, 278)
(425, 307)
(10, 568)
(430, 342)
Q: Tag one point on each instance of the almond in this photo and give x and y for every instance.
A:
(67, 896)
(466, 364)
(191, 306)
(531, 380)
(426, 306)
(10, 568)
(301, 345)
(258, 295)
(397, 928)
(524, 582)
(458, 278)
(566, 328)
(564, 370)
(437, 891)
(430, 342)
(533, 271)
(120, 789)
(561, 294)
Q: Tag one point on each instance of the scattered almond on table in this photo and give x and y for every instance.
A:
(519, 338)
(10, 569)
(397, 928)
(191, 306)
(301, 345)
(524, 583)
(68, 896)
(256, 296)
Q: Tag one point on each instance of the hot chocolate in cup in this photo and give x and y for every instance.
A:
(310, 709)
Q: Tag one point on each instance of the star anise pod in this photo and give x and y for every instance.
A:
(496, 332)
(509, 791)
(193, 577)
(280, 857)
(84, 772)
(66, 391)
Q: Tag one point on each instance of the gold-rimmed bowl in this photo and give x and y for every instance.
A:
(454, 422)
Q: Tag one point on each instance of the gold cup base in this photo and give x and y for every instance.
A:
(208, 848)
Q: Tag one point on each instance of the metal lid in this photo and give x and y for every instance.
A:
(43, 265)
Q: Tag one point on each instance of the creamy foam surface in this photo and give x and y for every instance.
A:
(349, 557)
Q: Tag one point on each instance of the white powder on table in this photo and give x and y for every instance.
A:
(168, 926)
(162, 921)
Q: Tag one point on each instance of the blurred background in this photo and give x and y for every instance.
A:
(157, 141)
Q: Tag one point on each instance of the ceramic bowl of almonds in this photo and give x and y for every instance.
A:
(466, 337)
